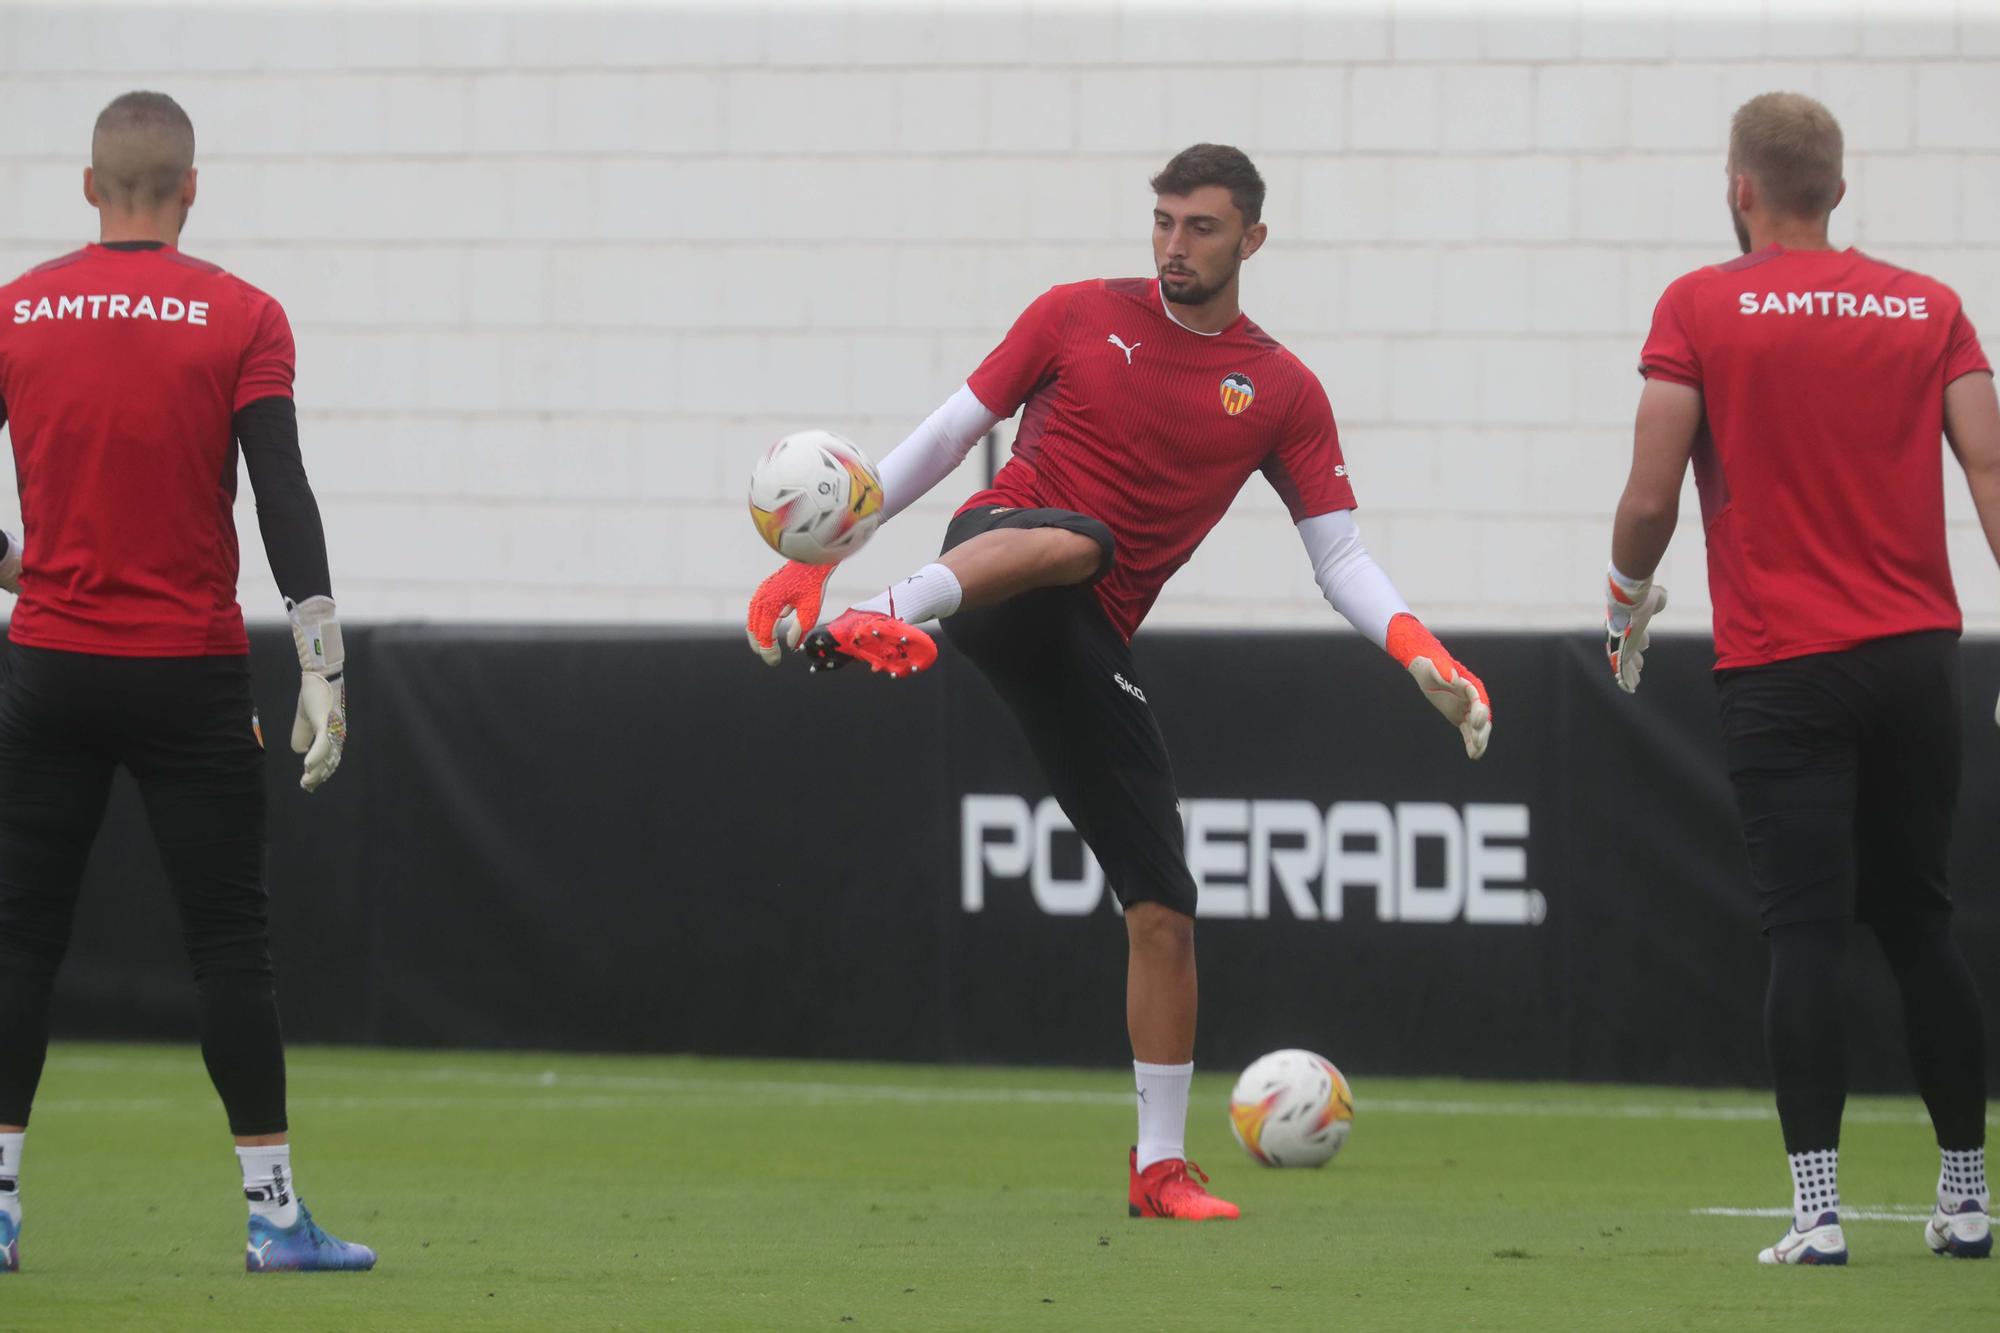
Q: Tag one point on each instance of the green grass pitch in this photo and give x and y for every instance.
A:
(542, 1192)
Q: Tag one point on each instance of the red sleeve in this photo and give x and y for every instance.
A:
(269, 357)
(1962, 355)
(1669, 353)
(1025, 358)
(1306, 468)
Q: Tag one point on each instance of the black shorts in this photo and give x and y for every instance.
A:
(1066, 674)
(184, 727)
(1846, 769)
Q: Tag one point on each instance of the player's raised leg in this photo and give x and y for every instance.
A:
(989, 568)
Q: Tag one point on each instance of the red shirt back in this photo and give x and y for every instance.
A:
(1821, 464)
(1153, 428)
(120, 371)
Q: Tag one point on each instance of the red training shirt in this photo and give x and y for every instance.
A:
(1152, 428)
(1820, 465)
(120, 371)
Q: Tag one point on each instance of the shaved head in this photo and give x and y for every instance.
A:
(141, 151)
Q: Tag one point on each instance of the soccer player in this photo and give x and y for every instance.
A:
(1149, 402)
(130, 373)
(1810, 387)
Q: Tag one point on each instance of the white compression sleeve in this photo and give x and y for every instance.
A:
(1353, 583)
(933, 450)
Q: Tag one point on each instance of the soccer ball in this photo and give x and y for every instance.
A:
(815, 497)
(1291, 1108)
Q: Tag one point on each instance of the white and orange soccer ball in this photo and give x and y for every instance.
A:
(1292, 1108)
(815, 497)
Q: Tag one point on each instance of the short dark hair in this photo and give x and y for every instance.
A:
(141, 147)
(1792, 146)
(1215, 164)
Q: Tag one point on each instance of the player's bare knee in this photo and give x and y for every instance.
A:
(1072, 557)
(1158, 929)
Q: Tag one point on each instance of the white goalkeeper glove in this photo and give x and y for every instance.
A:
(10, 564)
(1629, 607)
(319, 730)
(1451, 688)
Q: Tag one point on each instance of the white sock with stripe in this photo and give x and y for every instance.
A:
(1163, 1099)
(267, 1184)
(929, 594)
(10, 1175)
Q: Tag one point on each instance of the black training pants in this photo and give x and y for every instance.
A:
(185, 728)
(1846, 769)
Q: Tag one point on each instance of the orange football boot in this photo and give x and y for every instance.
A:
(1164, 1190)
(882, 641)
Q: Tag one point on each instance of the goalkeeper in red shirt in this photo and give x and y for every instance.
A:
(1146, 404)
(131, 375)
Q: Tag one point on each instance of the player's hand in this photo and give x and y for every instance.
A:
(10, 564)
(1452, 690)
(319, 730)
(785, 606)
(1628, 610)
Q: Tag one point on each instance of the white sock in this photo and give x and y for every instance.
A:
(1961, 1176)
(267, 1184)
(930, 593)
(1163, 1097)
(10, 1175)
(1815, 1186)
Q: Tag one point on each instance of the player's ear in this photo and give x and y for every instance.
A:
(1742, 192)
(90, 188)
(1253, 241)
(188, 189)
(1839, 194)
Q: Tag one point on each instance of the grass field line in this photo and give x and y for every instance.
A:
(1873, 1213)
(645, 1086)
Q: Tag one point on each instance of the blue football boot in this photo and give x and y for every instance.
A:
(302, 1248)
(10, 1245)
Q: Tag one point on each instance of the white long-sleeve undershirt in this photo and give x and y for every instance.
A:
(1353, 583)
(933, 450)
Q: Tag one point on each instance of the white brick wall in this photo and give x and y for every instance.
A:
(559, 271)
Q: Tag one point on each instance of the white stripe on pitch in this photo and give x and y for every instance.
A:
(1878, 1213)
(677, 1086)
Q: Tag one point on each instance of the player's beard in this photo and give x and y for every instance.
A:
(1193, 291)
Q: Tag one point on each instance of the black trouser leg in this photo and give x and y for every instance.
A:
(204, 791)
(1793, 745)
(1946, 1031)
(53, 786)
(1804, 1033)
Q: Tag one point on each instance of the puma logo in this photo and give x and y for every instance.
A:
(258, 1252)
(1119, 343)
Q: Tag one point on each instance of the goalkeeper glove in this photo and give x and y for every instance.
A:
(10, 563)
(786, 605)
(1629, 607)
(1452, 690)
(319, 730)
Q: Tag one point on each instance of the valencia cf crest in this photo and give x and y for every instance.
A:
(1237, 391)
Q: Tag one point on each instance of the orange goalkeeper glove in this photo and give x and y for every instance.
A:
(787, 605)
(1452, 690)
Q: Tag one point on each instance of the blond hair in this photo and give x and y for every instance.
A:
(1791, 146)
